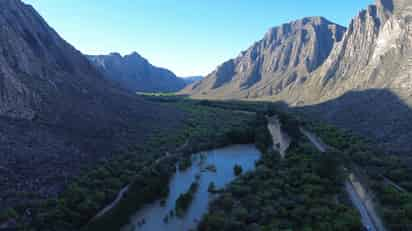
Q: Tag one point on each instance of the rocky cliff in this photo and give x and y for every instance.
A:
(366, 82)
(374, 54)
(285, 57)
(135, 73)
(361, 80)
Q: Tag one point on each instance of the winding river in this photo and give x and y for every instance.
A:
(152, 217)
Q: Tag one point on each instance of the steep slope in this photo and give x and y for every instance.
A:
(57, 113)
(375, 53)
(372, 61)
(366, 83)
(135, 73)
(283, 58)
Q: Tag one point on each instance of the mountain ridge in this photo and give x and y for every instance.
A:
(373, 53)
(57, 112)
(287, 53)
(135, 73)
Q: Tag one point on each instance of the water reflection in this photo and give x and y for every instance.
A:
(213, 166)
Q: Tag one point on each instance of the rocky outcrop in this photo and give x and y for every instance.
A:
(366, 82)
(375, 53)
(373, 59)
(135, 73)
(283, 58)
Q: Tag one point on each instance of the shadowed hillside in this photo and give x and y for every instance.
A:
(135, 73)
(57, 112)
(376, 113)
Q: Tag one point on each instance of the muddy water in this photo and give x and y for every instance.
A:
(152, 217)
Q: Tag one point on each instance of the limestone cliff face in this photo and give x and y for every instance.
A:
(135, 73)
(283, 58)
(311, 61)
(363, 82)
(375, 53)
(366, 83)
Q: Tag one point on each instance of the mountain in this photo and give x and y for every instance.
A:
(374, 54)
(284, 57)
(192, 79)
(366, 82)
(370, 60)
(58, 114)
(135, 73)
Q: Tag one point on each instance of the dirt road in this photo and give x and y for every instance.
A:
(281, 140)
(358, 194)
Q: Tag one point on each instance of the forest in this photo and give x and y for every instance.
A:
(145, 169)
(304, 191)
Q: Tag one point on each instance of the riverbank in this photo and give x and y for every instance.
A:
(233, 131)
(96, 188)
(167, 215)
(283, 187)
(298, 192)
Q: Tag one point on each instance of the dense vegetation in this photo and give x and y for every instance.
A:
(386, 175)
(302, 192)
(146, 169)
(237, 170)
(206, 128)
(185, 199)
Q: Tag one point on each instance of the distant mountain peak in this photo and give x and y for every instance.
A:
(115, 54)
(58, 114)
(134, 54)
(285, 56)
(135, 73)
(311, 61)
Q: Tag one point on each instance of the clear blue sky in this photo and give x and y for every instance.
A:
(190, 37)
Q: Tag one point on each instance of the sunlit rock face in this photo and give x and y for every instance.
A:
(373, 55)
(377, 53)
(303, 65)
(402, 6)
(284, 58)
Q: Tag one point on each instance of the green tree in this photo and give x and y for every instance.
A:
(237, 169)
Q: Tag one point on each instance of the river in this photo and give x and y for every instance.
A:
(152, 217)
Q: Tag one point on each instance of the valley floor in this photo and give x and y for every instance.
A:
(304, 190)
